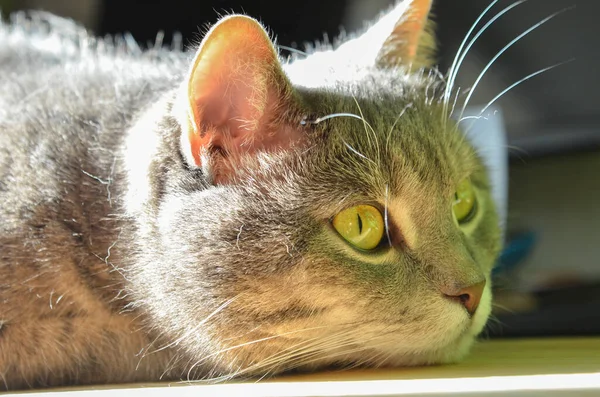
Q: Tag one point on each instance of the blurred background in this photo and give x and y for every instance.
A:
(548, 278)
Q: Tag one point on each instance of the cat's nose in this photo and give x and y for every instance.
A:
(469, 296)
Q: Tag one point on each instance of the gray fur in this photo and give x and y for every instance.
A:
(200, 270)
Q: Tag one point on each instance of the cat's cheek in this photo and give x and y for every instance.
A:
(458, 350)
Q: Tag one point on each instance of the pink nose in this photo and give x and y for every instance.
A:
(469, 296)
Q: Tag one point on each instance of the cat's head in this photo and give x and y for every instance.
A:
(313, 213)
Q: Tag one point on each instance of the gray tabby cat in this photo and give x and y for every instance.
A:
(164, 217)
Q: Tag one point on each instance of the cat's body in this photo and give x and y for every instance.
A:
(62, 131)
(133, 249)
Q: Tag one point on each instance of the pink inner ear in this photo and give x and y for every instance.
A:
(230, 75)
(236, 87)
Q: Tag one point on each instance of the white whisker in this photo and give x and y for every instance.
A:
(408, 106)
(247, 344)
(302, 350)
(368, 127)
(331, 116)
(287, 354)
(331, 355)
(306, 346)
(357, 152)
(195, 328)
(510, 87)
(503, 50)
(458, 53)
(294, 50)
(452, 78)
(472, 118)
(173, 361)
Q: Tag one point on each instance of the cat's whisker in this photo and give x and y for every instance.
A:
(504, 49)
(195, 328)
(386, 356)
(272, 361)
(495, 319)
(303, 346)
(286, 356)
(455, 72)
(449, 85)
(472, 118)
(370, 360)
(517, 149)
(4, 383)
(303, 349)
(494, 324)
(170, 365)
(351, 332)
(142, 353)
(203, 359)
(317, 352)
(292, 49)
(324, 355)
(359, 154)
(385, 215)
(333, 115)
(367, 127)
(510, 87)
(502, 307)
(406, 107)
(265, 375)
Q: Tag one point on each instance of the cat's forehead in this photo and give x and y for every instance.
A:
(395, 136)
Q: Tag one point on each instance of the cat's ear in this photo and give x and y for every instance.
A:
(412, 40)
(402, 37)
(235, 89)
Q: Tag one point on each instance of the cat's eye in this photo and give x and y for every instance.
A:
(464, 205)
(362, 226)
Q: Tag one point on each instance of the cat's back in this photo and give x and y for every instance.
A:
(66, 101)
(37, 45)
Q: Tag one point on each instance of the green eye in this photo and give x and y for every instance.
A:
(464, 201)
(361, 226)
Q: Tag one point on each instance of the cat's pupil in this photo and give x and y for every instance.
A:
(360, 225)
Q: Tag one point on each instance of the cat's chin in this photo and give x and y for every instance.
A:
(460, 346)
(455, 350)
(369, 358)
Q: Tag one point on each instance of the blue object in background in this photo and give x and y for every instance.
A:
(516, 251)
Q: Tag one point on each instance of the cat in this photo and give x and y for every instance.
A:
(225, 212)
